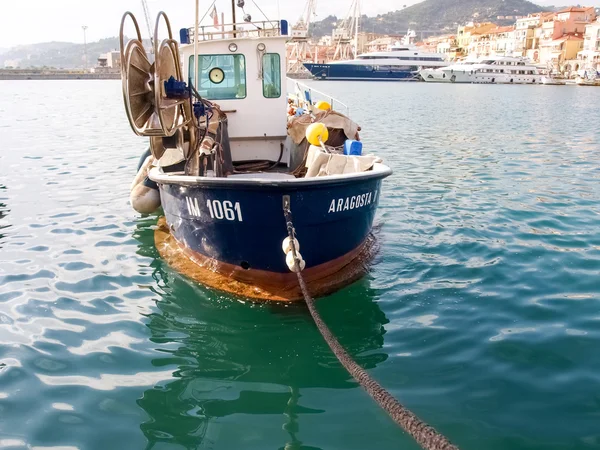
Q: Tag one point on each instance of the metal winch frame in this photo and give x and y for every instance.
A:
(150, 111)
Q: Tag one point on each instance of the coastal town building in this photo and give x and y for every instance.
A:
(551, 38)
(526, 38)
(502, 41)
(381, 44)
(555, 52)
(468, 35)
(590, 55)
(496, 41)
(568, 21)
(445, 44)
(562, 35)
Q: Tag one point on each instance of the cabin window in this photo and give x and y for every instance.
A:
(229, 83)
(271, 75)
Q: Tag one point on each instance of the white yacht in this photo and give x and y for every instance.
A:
(401, 62)
(499, 69)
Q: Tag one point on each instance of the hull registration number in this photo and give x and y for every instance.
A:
(217, 209)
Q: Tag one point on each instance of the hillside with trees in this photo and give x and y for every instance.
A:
(59, 55)
(437, 16)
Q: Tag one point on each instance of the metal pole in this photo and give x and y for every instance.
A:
(357, 25)
(233, 17)
(196, 69)
(85, 59)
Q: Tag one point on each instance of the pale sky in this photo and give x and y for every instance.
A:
(33, 21)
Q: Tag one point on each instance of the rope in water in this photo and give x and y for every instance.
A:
(425, 435)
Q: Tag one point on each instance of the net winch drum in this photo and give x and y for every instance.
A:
(149, 111)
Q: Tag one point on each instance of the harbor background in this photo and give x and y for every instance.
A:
(480, 311)
(562, 40)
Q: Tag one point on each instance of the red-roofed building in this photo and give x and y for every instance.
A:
(440, 44)
(568, 22)
(497, 41)
(586, 10)
(503, 41)
(557, 51)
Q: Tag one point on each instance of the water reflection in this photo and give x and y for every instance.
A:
(3, 212)
(234, 358)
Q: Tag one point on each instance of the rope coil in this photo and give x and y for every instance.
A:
(425, 435)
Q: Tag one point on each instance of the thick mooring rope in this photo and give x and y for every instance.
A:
(425, 435)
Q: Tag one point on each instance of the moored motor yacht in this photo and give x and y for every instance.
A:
(401, 62)
(499, 69)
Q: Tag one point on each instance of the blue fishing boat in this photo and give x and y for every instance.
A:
(228, 147)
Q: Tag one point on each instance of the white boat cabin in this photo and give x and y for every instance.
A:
(242, 68)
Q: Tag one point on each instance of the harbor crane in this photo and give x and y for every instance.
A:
(300, 50)
(346, 34)
(147, 16)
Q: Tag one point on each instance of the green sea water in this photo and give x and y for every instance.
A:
(480, 313)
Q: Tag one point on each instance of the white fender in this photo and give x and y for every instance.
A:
(286, 246)
(289, 260)
(143, 199)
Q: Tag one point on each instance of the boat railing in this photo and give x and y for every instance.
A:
(309, 96)
(270, 28)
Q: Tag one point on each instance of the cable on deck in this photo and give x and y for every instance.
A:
(425, 435)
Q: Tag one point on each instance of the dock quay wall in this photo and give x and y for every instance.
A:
(47, 75)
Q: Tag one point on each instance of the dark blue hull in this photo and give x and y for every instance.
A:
(242, 225)
(362, 72)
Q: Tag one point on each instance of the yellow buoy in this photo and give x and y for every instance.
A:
(323, 105)
(317, 133)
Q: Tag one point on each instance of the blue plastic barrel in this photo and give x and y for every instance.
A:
(352, 148)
